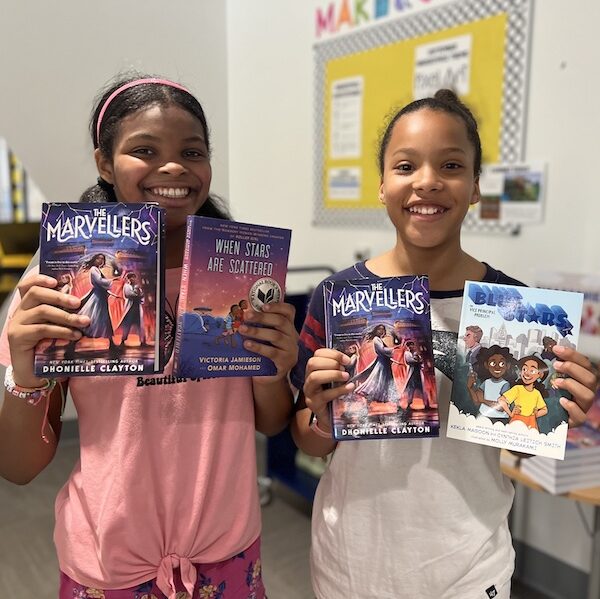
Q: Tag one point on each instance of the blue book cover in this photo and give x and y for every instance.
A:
(230, 270)
(112, 257)
(503, 392)
(384, 326)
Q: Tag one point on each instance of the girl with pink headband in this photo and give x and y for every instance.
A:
(163, 502)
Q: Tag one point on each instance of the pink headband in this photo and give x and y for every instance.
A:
(127, 86)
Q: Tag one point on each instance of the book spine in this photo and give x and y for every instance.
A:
(183, 291)
(159, 329)
(327, 292)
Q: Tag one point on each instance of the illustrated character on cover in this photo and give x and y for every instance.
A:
(525, 401)
(379, 383)
(353, 352)
(95, 303)
(495, 368)
(244, 307)
(232, 323)
(414, 384)
(400, 369)
(472, 337)
(133, 316)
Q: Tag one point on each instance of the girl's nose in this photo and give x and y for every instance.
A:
(427, 179)
(173, 168)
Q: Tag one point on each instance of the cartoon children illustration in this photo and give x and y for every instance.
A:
(495, 369)
(232, 323)
(527, 399)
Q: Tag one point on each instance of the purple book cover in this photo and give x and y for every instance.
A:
(384, 326)
(230, 270)
(111, 256)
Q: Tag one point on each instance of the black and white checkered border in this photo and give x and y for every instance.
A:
(516, 62)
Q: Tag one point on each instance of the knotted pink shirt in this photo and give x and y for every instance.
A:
(166, 476)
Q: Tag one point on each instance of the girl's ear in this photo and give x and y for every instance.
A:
(381, 194)
(104, 166)
(476, 192)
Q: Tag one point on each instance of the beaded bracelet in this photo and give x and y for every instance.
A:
(32, 395)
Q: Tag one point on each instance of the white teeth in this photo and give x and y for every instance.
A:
(171, 192)
(425, 210)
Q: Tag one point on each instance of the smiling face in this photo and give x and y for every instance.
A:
(428, 178)
(160, 155)
(496, 365)
(530, 372)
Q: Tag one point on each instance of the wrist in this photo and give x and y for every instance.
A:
(27, 380)
(319, 427)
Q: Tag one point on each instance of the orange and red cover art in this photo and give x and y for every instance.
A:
(111, 256)
(384, 326)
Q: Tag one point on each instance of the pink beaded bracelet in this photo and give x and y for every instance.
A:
(32, 395)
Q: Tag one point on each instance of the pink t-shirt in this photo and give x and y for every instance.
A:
(166, 476)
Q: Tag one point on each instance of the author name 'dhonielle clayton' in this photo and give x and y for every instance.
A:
(417, 429)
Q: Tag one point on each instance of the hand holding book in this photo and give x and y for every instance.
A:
(275, 338)
(581, 381)
(326, 380)
(42, 313)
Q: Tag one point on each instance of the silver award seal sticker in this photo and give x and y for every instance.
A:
(264, 291)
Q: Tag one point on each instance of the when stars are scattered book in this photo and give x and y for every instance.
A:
(230, 271)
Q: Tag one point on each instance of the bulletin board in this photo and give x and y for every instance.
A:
(479, 48)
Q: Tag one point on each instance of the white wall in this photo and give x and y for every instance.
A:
(55, 56)
(270, 73)
(271, 142)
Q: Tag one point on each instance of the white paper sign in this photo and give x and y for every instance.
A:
(346, 117)
(443, 64)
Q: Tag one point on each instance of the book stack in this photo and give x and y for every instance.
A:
(581, 467)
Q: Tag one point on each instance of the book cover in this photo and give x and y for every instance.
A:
(112, 257)
(230, 270)
(384, 325)
(503, 393)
